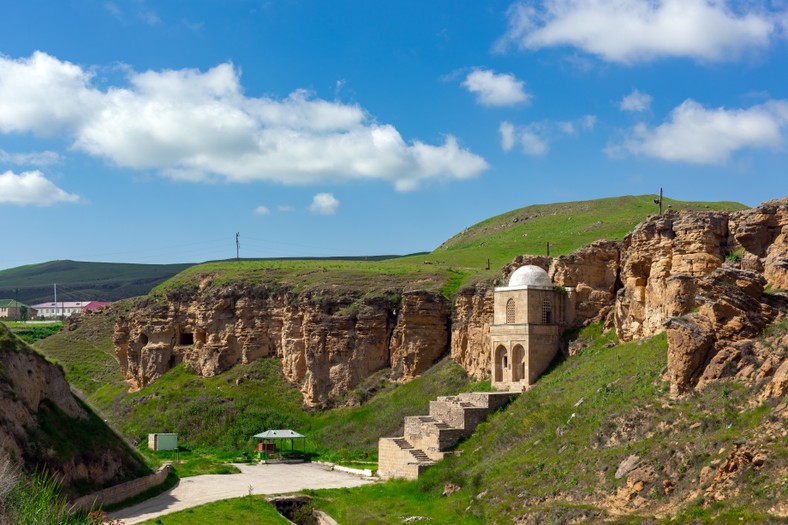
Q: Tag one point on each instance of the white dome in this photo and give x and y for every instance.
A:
(530, 275)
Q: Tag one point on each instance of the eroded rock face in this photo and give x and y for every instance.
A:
(30, 386)
(707, 267)
(326, 343)
(470, 330)
(763, 233)
(701, 275)
(593, 271)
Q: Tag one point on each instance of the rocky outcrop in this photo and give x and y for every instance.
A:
(327, 342)
(38, 415)
(470, 330)
(762, 233)
(593, 271)
(700, 275)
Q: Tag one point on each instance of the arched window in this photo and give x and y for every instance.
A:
(547, 312)
(510, 311)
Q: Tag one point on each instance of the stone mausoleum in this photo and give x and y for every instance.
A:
(529, 315)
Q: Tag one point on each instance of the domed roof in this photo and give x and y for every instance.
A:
(530, 275)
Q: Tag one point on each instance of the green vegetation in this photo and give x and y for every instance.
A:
(59, 439)
(250, 510)
(566, 226)
(563, 440)
(87, 356)
(33, 332)
(36, 501)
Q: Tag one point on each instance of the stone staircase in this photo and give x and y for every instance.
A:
(428, 438)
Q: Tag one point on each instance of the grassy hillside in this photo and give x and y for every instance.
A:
(551, 457)
(83, 281)
(567, 226)
(57, 439)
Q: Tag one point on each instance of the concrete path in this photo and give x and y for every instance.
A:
(259, 479)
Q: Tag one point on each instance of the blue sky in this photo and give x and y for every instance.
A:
(152, 132)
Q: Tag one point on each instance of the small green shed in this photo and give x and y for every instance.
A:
(163, 441)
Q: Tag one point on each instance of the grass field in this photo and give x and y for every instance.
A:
(249, 510)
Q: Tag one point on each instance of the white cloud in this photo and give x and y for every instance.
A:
(584, 123)
(630, 31)
(31, 188)
(324, 204)
(535, 138)
(261, 210)
(33, 158)
(506, 130)
(532, 143)
(700, 135)
(198, 126)
(493, 89)
(636, 101)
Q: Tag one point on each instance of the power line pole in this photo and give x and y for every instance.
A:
(237, 246)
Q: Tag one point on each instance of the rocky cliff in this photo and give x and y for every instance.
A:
(704, 273)
(327, 342)
(45, 428)
(700, 275)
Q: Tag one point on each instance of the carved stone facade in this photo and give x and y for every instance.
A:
(528, 318)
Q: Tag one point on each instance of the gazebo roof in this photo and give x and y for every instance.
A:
(279, 434)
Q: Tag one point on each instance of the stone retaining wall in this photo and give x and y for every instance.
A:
(121, 492)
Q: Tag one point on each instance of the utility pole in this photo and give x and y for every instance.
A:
(237, 246)
(659, 202)
(548, 248)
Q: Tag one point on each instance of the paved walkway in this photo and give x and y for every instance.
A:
(259, 479)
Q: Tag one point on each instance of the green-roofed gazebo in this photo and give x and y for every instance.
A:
(268, 448)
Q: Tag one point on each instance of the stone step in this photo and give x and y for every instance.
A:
(403, 443)
(420, 455)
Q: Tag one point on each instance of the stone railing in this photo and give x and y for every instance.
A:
(122, 491)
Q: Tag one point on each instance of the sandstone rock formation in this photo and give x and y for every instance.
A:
(470, 330)
(702, 272)
(701, 275)
(327, 343)
(33, 394)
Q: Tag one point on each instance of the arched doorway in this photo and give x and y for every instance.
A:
(518, 363)
(500, 363)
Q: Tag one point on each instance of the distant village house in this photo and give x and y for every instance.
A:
(66, 308)
(13, 310)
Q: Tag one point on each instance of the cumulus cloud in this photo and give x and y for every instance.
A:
(261, 210)
(700, 135)
(636, 102)
(493, 89)
(31, 188)
(535, 138)
(630, 31)
(199, 125)
(324, 204)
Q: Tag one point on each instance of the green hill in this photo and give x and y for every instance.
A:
(566, 226)
(83, 281)
(463, 258)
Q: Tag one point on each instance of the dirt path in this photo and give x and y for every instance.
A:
(257, 479)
